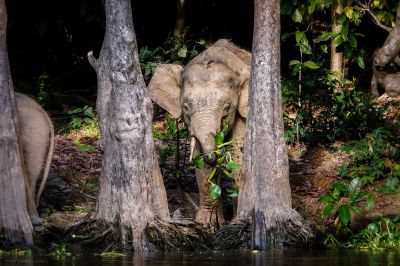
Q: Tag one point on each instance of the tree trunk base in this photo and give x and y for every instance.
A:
(178, 235)
(292, 234)
(159, 235)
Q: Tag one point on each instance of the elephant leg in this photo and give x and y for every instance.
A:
(210, 210)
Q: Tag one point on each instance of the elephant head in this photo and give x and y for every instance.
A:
(210, 90)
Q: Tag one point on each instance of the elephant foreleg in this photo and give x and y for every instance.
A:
(210, 210)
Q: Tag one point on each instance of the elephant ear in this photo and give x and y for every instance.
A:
(243, 106)
(164, 88)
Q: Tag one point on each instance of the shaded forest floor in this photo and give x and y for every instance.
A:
(72, 186)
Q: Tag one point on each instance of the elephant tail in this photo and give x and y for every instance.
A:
(48, 160)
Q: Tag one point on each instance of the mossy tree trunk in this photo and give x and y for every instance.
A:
(265, 196)
(131, 193)
(15, 225)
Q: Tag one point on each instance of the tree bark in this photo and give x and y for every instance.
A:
(131, 193)
(265, 194)
(337, 64)
(15, 225)
(386, 63)
(179, 28)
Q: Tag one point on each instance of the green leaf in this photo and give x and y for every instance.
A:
(353, 41)
(338, 41)
(225, 126)
(233, 192)
(199, 161)
(328, 209)
(215, 191)
(231, 165)
(294, 62)
(299, 36)
(360, 62)
(355, 210)
(326, 199)
(357, 197)
(227, 173)
(344, 214)
(75, 111)
(373, 228)
(324, 48)
(326, 36)
(370, 201)
(219, 138)
(354, 185)
(311, 65)
(297, 16)
(345, 31)
(182, 52)
(347, 50)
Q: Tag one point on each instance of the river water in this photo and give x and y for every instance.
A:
(231, 258)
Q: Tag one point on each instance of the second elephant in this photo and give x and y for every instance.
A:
(211, 88)
(37, 142)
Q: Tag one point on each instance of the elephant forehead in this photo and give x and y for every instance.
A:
(209, 73)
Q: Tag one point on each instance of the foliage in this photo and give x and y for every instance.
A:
(84, 122)
(344, 199)
(374, 157)
(224, 166)
(176, 50)
(383, 233)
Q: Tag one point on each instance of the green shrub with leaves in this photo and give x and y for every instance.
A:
(223, 168)
(344, 199)
(176, 49)
(383, 233)
(372, 158)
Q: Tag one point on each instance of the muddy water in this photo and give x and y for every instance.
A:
(231, 258)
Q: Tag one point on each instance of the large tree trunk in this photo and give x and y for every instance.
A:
(15, 225)
(131, 193)
(265, 194)
(386, 64)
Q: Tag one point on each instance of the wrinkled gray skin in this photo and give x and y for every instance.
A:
(212, 88)
(37, 142)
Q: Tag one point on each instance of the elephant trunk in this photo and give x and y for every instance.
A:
(204, 127)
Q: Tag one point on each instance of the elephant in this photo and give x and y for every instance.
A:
(212, 89)
(37, 143)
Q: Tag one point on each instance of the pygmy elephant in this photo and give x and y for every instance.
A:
(210, 89)
(37, 142)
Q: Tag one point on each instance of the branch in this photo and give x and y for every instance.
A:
(374, 17)
(92, 60)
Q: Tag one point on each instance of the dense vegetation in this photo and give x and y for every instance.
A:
(321, 105)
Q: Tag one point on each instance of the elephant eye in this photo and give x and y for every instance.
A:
(186, 108)
(226, 108)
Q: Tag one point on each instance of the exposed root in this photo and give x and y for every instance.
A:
(241, 234)
(232, 236)
(91, 233)
(297, 234)
(178, 235)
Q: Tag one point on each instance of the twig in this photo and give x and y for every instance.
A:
(374, 17)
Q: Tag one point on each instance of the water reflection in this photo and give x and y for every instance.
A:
(231, 258)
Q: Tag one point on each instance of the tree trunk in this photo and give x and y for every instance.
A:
(265, 194)
(337, 63)
(15, 225)
(179, 28)
(131, 193)
(386, 63)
